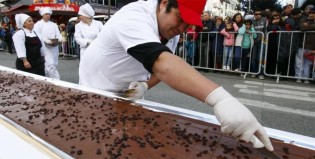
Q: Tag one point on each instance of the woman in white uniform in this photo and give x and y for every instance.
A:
(29, 47)
(130, 52)
(51, 37)
(88, 28)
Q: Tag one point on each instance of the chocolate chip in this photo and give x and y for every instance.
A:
(79, 152)
(98, 151)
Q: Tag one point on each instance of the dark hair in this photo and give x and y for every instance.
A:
(248, 21)
(281, 22)
(296, 11)
(285, 7)
(277, 9)
(171, 4)
(257, 10)
(239, 24)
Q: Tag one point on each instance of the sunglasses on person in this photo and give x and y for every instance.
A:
(257, 13)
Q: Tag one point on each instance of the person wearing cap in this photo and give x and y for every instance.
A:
(29, 46)
(87, 29)
(307, 10)
(52, 37)
(134, 50)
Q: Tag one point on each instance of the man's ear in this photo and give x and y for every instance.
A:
(163, 4)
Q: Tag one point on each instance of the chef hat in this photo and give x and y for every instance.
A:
(45, 10)
(86, 10)
(20, 19)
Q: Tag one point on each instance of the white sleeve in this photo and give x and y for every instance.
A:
(172, 43)
(136, 30)
(79, 37)
(19, 43)
(57, 31)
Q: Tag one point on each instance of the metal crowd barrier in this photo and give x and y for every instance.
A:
(71, 48)
(208, 54)
(280, 55)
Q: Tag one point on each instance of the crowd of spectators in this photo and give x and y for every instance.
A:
(240, 43)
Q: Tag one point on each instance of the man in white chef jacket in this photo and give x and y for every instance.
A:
(134, 50)
(49, 31)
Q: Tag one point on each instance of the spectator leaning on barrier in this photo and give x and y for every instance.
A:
(229, 41)
(239, 20)
(134, 50)
(302, 65)
(260, 24)
(289, 43)
(208, 25)
(217, 44)
(275, 24)
(191, 44)
(247, 34)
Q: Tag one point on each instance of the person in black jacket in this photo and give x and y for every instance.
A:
(205, 39)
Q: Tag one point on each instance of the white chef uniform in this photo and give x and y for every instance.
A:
(109, 66)
(49, 30)
(84, 33)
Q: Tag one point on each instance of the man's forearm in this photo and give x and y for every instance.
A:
(153, 81)
(182, 77)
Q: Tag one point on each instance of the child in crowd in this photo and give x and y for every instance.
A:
(247, 33)
(228, 32)
(192, 37)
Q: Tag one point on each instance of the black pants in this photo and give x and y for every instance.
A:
(38, 69)
(9, 44)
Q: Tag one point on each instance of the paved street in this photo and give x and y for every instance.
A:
(285, 106)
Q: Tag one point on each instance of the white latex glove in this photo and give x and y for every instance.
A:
(47, 41)
(236, 120)
(140, 89)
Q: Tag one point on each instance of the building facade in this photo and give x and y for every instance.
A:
(223, 8)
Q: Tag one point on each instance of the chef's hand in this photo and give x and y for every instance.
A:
(27, 64)
(140, 88)
(47, 41)
(236, 120)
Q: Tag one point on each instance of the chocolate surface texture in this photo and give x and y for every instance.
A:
(87, 125)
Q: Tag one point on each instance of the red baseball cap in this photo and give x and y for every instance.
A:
(191, 10)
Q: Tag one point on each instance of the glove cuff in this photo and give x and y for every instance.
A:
(218, 95)
(145, 85)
